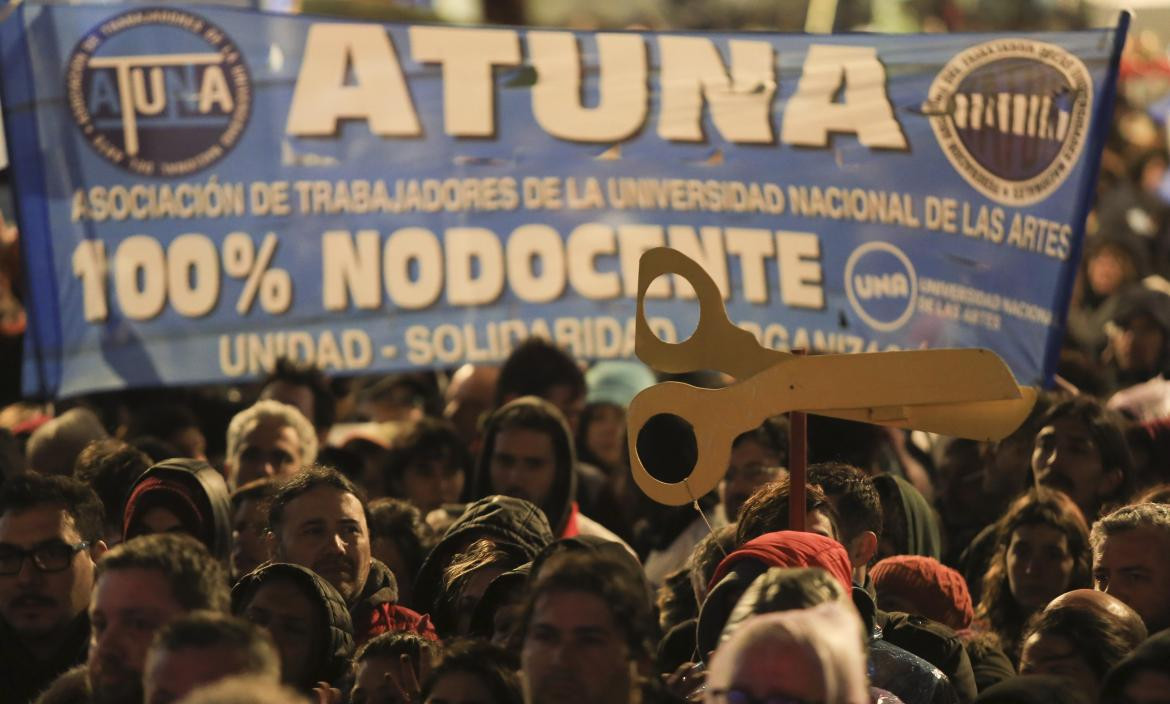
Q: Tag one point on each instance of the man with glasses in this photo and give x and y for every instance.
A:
(50, 539)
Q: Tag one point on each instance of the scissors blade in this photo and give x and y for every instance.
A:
(881, 380)
(933, 377)
(976, 420)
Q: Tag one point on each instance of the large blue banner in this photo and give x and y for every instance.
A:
(202, 190)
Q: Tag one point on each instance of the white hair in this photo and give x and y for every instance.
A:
(269, 410)
(828, 637)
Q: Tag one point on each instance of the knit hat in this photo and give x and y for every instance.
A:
(617, 382)
(937, 591)
(788, 548)
(155, 492)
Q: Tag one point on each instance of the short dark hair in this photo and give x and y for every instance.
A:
(197, 580)
(610, 580)
(401, 523)
(111, 467)
(766, 511)
(32, 489)
(1107, 430)
(494, 667)
(396, 644)
(772, 434)
(260, 490)
(858, 506)
(539, 417)
(423, 441)
(535, 367)
(303, 482)
(208, 629)
(1101, 640)
(309, 376)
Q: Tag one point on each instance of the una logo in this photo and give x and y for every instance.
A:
(1012, 117)
(159, 114)
(881, 285)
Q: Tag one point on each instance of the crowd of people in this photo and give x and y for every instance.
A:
(476, 537)
(473, 536)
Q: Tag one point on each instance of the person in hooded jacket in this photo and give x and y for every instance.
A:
(319, 519)
(181, 495)
(909, 523)
(528, 453)
(516, 526)
(308, 621)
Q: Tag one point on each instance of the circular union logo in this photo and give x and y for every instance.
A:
(155, 113)
(1012, 116)
(881, 285)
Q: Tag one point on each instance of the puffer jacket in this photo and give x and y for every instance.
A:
(335, 645)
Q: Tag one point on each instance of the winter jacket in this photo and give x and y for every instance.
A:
(375, 610)
(516, 525)
(335, 645)
(932, 641)
(23, 677)
(70, 688)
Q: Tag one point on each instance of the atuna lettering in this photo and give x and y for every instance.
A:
(354, 72)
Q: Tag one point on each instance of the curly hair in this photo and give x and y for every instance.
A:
(998, 608)
(766, 511)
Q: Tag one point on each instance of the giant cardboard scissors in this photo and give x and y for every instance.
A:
(967, 393)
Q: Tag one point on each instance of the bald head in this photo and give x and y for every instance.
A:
(469, 395)
(1105, 605)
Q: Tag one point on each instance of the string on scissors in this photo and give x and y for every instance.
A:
(699, 510)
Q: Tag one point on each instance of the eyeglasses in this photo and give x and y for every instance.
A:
(738, 696)
(48, 557)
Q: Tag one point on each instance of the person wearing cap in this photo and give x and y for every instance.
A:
(1139, 338)
(181, 495)
(924, 586)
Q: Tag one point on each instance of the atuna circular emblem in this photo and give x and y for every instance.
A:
(159, 112)
(1012, 116)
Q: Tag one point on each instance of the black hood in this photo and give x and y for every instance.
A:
(335, 647)
(516, 525)
(558, 506)
(206, 486)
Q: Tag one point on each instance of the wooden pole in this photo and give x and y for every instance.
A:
(797, 466)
